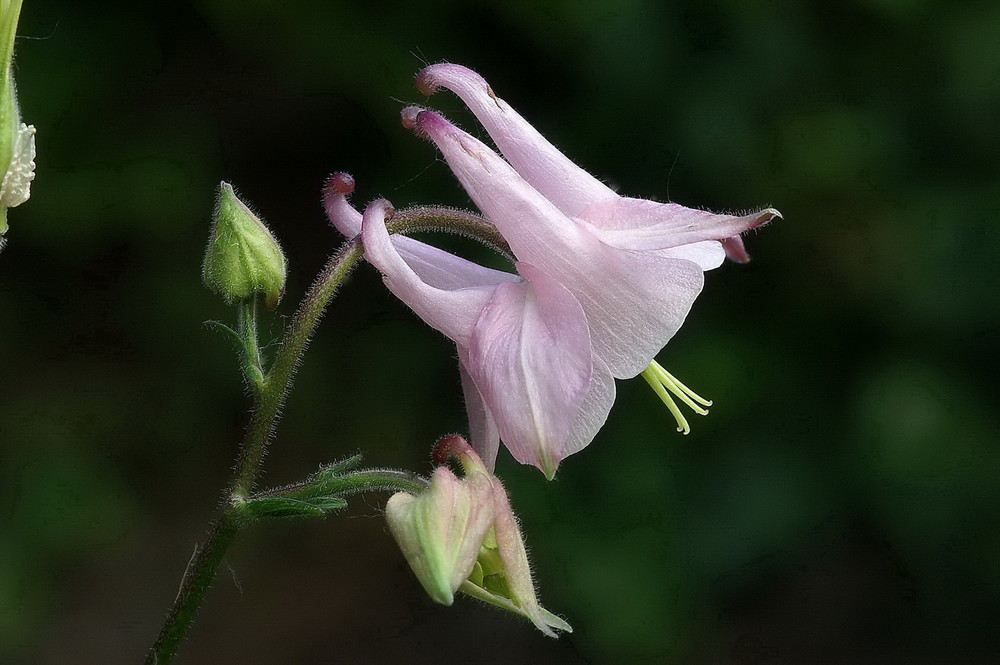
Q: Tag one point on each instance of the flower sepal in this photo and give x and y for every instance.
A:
(488, 583)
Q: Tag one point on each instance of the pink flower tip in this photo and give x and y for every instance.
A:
(380, 208)
(429, 79)
(455, 445)
(408, 116)
(735, 250)
(449, 445)
(420, 121)
(338, 184)
(425, 81)
(430, 120)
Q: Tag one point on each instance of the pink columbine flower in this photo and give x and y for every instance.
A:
(461, 535)
(635, 265)
(528, 369)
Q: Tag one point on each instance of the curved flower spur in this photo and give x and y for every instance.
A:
(635, 265)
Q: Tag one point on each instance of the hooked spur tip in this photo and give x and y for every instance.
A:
(425, 81)
(447, 446)
(339, 184)
(766, 216)
(381, 207)
(408, 117)
(447, 75)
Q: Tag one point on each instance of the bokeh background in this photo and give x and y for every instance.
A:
(839, 505)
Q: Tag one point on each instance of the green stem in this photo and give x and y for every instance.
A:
(253, 368)
(449, 220)
(279, 376)
(354, 482)
(197, 578)
(269, 395)
(208, 556)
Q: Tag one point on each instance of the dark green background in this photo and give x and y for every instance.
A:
(839, 505)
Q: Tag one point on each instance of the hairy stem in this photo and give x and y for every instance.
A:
(270, 390)
(253, 368)
(198, 577)
(279, 376)
(208, 556)
(449, 220)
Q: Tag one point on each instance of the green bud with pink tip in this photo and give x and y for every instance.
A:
(461, 535)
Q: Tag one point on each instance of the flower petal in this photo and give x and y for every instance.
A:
(483, 431)
(549, 171)
(735, 250)
(634, 301)
(452, 310)
(594, 411)
(708, 254)
(644, 224)
(341, 214)
(531, 358)
(435, 266)
(528, 221)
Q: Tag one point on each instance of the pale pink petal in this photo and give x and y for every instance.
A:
(435, 266)
(444, 270)
(531, 358)
(528, 221)
(643, 224)
(482, 427)
(341, 214)
(708, 254)
(549, 171)
(594, 410)
(635, 301)
(452, 311)
(735, 250)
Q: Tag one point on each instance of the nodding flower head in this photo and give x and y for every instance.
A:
(634, 265)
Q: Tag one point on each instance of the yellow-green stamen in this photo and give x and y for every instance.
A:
(662, 381)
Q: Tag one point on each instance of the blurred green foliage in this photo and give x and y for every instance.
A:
(839, 504)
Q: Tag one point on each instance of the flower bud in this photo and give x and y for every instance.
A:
(461, 534)
(17, 140)
(242, 258)
(441, 530)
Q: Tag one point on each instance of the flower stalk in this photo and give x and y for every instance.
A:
(321, 493)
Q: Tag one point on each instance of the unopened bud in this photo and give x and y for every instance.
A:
(243, 258)
(461, 535)
(441, 530)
